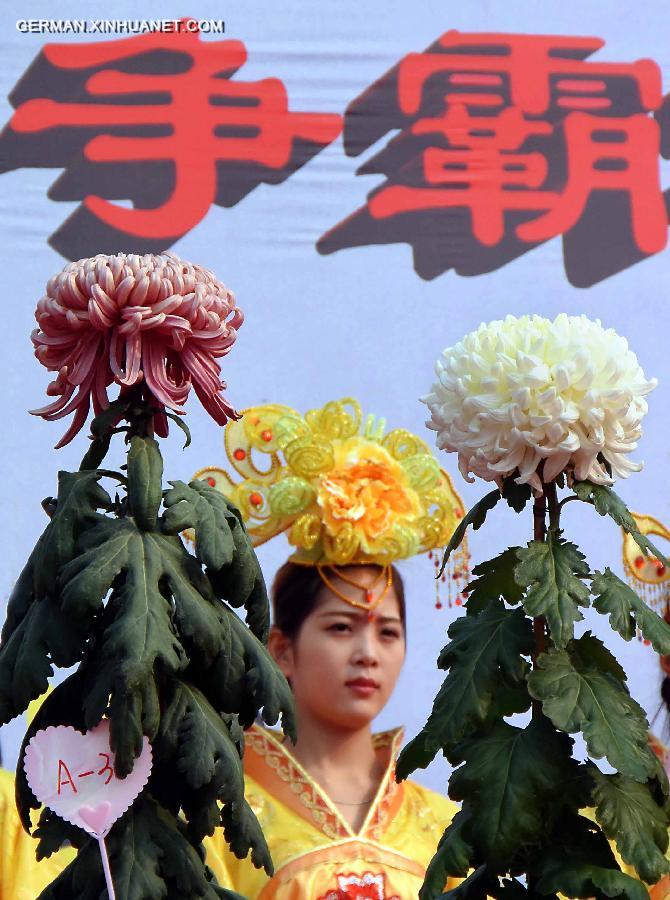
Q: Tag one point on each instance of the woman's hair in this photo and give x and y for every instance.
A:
(295, 592)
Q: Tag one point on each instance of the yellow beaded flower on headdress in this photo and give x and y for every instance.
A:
(647, 575)
(343, 491)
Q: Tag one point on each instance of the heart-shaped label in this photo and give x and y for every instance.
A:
(73, 774)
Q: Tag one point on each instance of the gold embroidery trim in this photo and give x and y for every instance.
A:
(377, 817)
(323, 812)
(276, 758)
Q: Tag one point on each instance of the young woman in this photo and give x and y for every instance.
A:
(337, 824)
(352, 501)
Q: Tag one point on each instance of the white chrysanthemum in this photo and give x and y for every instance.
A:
(519, 391)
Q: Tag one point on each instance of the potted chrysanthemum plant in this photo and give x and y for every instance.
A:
(548, 411)
(112, 590)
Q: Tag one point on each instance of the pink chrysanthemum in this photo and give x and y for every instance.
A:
(129, 319)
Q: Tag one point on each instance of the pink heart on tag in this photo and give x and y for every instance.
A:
(97, 818)
(73, 774)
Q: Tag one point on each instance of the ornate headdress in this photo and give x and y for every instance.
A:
(651, 579)
(646, 574)
(343, 491)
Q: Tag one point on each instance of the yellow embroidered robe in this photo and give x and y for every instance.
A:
(316, 854)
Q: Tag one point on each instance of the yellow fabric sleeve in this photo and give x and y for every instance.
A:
(21, 876)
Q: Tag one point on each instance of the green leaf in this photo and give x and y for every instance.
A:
(83, 879)
(583, 689)
(516, 495)
(134, 711)
(243, 833)
(511, 889)
(44, 637)
(179, 422)
(222, 545)
(20, 599)
(551, 574)
(106, 420)
(475, 887)
(233, 582)
(611, 597)
(96, 452)
(607, 503)
(79, 499)
(181, 863)
(140, 634)
(583, 879)
(495, 579)
(626, 609)
(475, 517)
(52, 832)
(263, 681)
(145, 490)
(453, 857)
(629, 815)
(242, 584)
(151, 857)
(204, 509)
(197, 740)
(244, 680)
(580, 863)
(205, 745)
(202, 625)
(102, 429)
(511, 784)
(202, 810)
(485, 653)
(158, 585)
(134, 856)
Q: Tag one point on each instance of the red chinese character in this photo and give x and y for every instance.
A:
(205, 118)
(609, 155)
(475, 177)
(507, 141)
(527, 63)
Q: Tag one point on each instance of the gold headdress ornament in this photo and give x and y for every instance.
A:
(650, 578)
(343, 491)
(646, 574)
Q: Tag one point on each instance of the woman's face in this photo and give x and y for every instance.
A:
(344, 664)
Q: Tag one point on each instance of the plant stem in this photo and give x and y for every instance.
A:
(552, 505)
(567, 500)
(539, 625)
(539, 514)
(139, 414)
